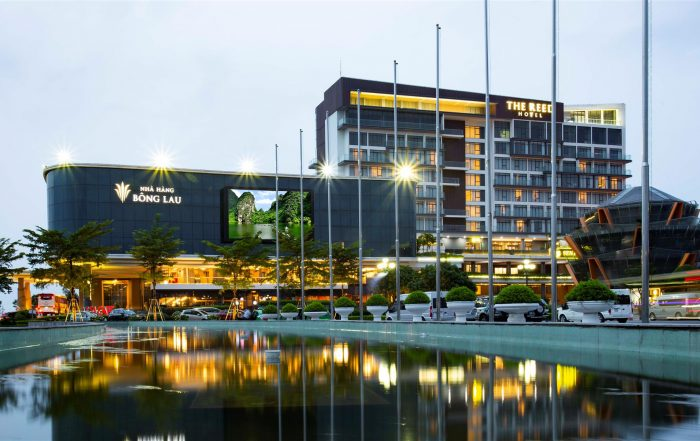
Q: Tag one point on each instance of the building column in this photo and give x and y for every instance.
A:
(24, 295)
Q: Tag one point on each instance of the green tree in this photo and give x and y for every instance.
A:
(425, 241)
(155, 248)
(387, 284)
(8, 254)
(66, 258)
(290, 259)
(345, 264)
(236, 262)
(450, 276)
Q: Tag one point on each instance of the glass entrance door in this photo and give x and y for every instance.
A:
(114, 293)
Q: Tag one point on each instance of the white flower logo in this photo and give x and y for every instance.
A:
(122, 191)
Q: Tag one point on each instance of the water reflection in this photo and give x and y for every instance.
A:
(195, 384)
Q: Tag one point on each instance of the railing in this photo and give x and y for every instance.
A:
(385, 124)
(452, 132)
(454, 212)
(450, 180)
(459, 164)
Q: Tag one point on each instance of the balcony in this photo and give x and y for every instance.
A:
(453, 133)
(460, 165)
(403, 125)
(455, 212)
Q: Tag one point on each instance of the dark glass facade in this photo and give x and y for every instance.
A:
(194, 202)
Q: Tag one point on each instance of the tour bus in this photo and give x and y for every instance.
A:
(675, 305)
(49, 304)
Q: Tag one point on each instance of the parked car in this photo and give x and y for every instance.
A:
(120, 314)
(481, 312)
(194, 314)
(620, 311)
(675, 305)
(213, 313)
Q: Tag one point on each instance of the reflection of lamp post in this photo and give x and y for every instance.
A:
(526, 267)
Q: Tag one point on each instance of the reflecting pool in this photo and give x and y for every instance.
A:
(184, 383)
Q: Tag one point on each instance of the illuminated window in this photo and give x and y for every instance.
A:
(584, 167)
(610, 117)
(375, 171)
(501, 129)
(520, 226)
(474, 132)
(472, 195)
(473, 164)
(472, 148)
(518, 195)
(475, 211)
(602, 182)
(474, 226)
(582, 197)
(473, 180)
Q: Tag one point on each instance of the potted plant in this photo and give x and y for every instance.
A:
(377, 305)
(516, 301)
(315, 310)
(344, 306)
(269, 312)
(590, 298)
(460, 299)
(417, 303)
(290, 311)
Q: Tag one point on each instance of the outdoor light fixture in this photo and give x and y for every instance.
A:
(247, 166)
(526, 267)
(406, 172)
(161, 159)
(327, 170)
(64, 156)
(384, 264)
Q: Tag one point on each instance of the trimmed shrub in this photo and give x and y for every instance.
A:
(344, 302)
(377, 300)
(591, 290)
(516, 294)
(460, 294)
(289, 307)
(315, 307)
(270, 309)
(417, 297)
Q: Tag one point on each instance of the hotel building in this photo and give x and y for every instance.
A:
(591, 162)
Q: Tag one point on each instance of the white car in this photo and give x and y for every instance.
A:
(620, 311)
(194, 314)
(209, 310)
(674, 305)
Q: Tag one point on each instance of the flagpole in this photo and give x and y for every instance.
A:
(489, 175)
(359, 202)
(396, 203)
(301, 203)
(277, 234)
(330, 238)
(553, 159)
(645, 171)
(438, 181)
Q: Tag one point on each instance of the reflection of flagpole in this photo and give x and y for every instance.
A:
(361, 359)
(359, 202)
(277, 235)
(301, 203)
(440, 421)
(489, 164)
(554, 401)
(332, 388)
(645, 171)
(396, 204)
(279, 390)
(398, 393)
(553, 159)
(438, 181)
(330, 238)
(303, 382)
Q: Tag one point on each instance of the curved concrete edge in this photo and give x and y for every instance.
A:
(667, 353)
(19, 346)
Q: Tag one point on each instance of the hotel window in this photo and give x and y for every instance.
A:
(583, 135)
(473, 164)
(502, 179)
(501, 148)
(520, 226)
(610, 117)
(475, 132)
(518, 196)
(584, 167)
(353, 138)
(616, 169)
(519, 179)
(583, 197)
(569, 133)
(375, 172)
(567, 197)
(475, 211)
(472, 148)
(599, 135)
(569, 181)
(569, 212)
(616, 183)
(473, 195)
(503, 195)
(519, 148)
(577, 116)
(502, 164)
(431, 158)
(377, 139)
(600, 167)
(536, 226)
(501, 129)
(569, 151)
(521, 129)
(473, 180)
(594, 116)
(520, 164)
(401, 140)
(502, 210)
(430, 207)
(586, 181)
(615, 154)
(537, 211)
(602, 182)
(615, 136)
(537, 148)
(537, 130)
(520, 210)
(430, 142)
(599, 153)
(503, 226)
(415, 141)
(475, 226)
(536, 196)
(536, 165)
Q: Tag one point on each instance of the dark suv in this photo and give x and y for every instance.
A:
(540, 314)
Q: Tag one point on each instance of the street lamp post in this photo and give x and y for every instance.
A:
(526, 267)
(277, 235)
(359, 203)
(327, 172)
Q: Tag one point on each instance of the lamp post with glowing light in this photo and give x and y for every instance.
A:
(526, 267)
(327, 173)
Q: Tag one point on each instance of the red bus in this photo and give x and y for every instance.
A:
(49, 304)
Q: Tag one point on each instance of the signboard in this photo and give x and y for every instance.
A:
(147, 194)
